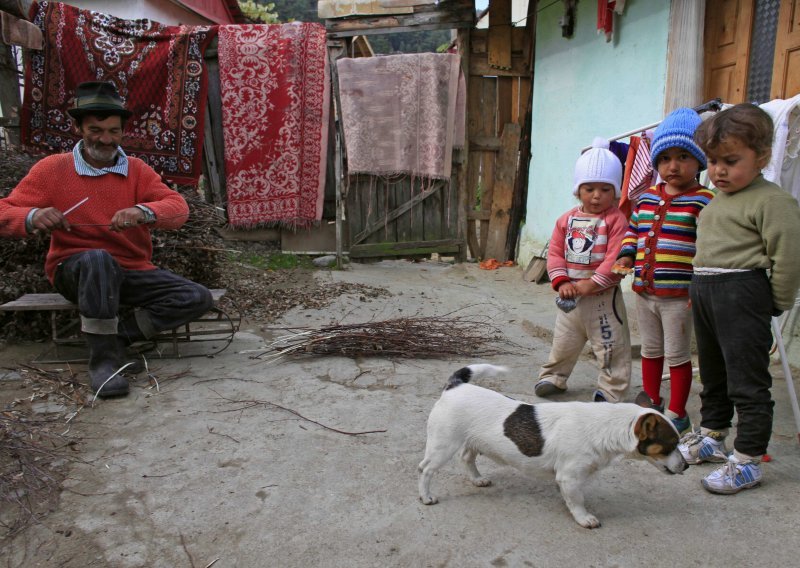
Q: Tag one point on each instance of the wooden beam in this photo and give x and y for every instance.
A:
(499, 42)
(503, 193)
(484, 144)
(448, 15)
(479, 65)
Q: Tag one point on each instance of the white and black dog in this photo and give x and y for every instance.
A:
(573, 439)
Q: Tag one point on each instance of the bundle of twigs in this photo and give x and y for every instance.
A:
(35, 449)
(417, 337)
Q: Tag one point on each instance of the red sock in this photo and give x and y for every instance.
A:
(680, 380)
(651, 377)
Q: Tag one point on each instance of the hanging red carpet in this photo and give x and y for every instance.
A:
(275, 109)
(157, 69)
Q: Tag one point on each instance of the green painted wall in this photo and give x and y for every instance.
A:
(584, 87)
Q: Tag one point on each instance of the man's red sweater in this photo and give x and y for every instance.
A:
(53, 182)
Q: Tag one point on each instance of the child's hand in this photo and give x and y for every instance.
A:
(567, 291)
(625, 261)
(586, 287)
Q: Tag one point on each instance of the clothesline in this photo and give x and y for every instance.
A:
(712, 105)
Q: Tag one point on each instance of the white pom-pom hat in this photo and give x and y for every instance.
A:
(598, 165)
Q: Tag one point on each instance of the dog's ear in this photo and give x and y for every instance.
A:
(643, 400)
(646, 426)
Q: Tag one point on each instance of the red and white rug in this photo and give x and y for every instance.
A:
(158, 70)
(275, 109)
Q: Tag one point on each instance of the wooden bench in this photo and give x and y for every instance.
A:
(54, 303)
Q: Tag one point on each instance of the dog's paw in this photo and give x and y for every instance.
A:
(481, 482)
(429, 500)
(588, 521)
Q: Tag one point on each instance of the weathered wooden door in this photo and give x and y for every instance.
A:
(740, 63)
(403, 217)
(786, 69)
(728, 31)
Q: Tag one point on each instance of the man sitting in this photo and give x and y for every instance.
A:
(100, 205)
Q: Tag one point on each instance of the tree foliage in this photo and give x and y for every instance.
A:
(259, 11)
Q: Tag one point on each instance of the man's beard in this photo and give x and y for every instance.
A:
(101, 152)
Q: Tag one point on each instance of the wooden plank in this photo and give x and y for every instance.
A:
(10, 102)
(479, 215)
(479, 41)
(379, 221)
(488, 160)
(484, 144)
(479, 65)
(504, 99)
(499, 40)
(406, 249)
(447, 15)
(56, 302)
(459, 183)
(215, 147)
(432, 211)
(503, 193)
(520, 99)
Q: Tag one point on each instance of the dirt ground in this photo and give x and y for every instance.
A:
(237, 462)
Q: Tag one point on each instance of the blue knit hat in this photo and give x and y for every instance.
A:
(677, 131)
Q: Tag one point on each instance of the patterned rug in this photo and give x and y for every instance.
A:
(275, 110)
(157, 69)
(402, 114)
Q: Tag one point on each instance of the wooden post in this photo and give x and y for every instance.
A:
(9, 94)
(503, 194)
(336, 49)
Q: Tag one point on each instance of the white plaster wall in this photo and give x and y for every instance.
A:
(584, 87)
(163, 12)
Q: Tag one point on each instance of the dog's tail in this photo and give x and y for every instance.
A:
(466, 374)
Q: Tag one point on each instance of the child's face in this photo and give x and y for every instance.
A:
(678, 168)
(596, 197)
(733, 165)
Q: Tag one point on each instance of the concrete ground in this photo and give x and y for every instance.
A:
(211, 471)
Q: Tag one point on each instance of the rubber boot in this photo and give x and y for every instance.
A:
(128, 333)
(104, 361)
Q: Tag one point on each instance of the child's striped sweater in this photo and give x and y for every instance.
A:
(661, 238)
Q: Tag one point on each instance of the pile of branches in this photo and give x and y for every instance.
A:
(34, 448)
(411, 337)
(21, 260)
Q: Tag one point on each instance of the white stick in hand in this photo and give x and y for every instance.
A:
(74, 207)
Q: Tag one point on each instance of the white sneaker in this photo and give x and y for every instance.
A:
(733, 477)
(696, 448)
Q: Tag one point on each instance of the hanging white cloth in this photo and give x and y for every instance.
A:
(784, 166)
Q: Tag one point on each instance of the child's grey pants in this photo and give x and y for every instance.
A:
(602, 320)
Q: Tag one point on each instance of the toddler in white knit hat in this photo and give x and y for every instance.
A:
(583, 248)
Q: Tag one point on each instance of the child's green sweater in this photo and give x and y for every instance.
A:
(755, 227)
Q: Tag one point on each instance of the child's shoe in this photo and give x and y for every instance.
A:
(682, 424)
(733, 476)
(599, 396)
(545, 388)
(696, 448)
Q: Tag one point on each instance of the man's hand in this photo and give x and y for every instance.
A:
(49, 219)
(127, 218)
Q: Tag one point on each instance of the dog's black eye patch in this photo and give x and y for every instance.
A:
(522, 428)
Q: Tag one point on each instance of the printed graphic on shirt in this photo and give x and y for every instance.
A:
(581, 238)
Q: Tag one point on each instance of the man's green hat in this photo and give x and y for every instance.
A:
(97, 97)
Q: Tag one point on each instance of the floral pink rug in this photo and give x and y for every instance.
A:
(275, 110)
